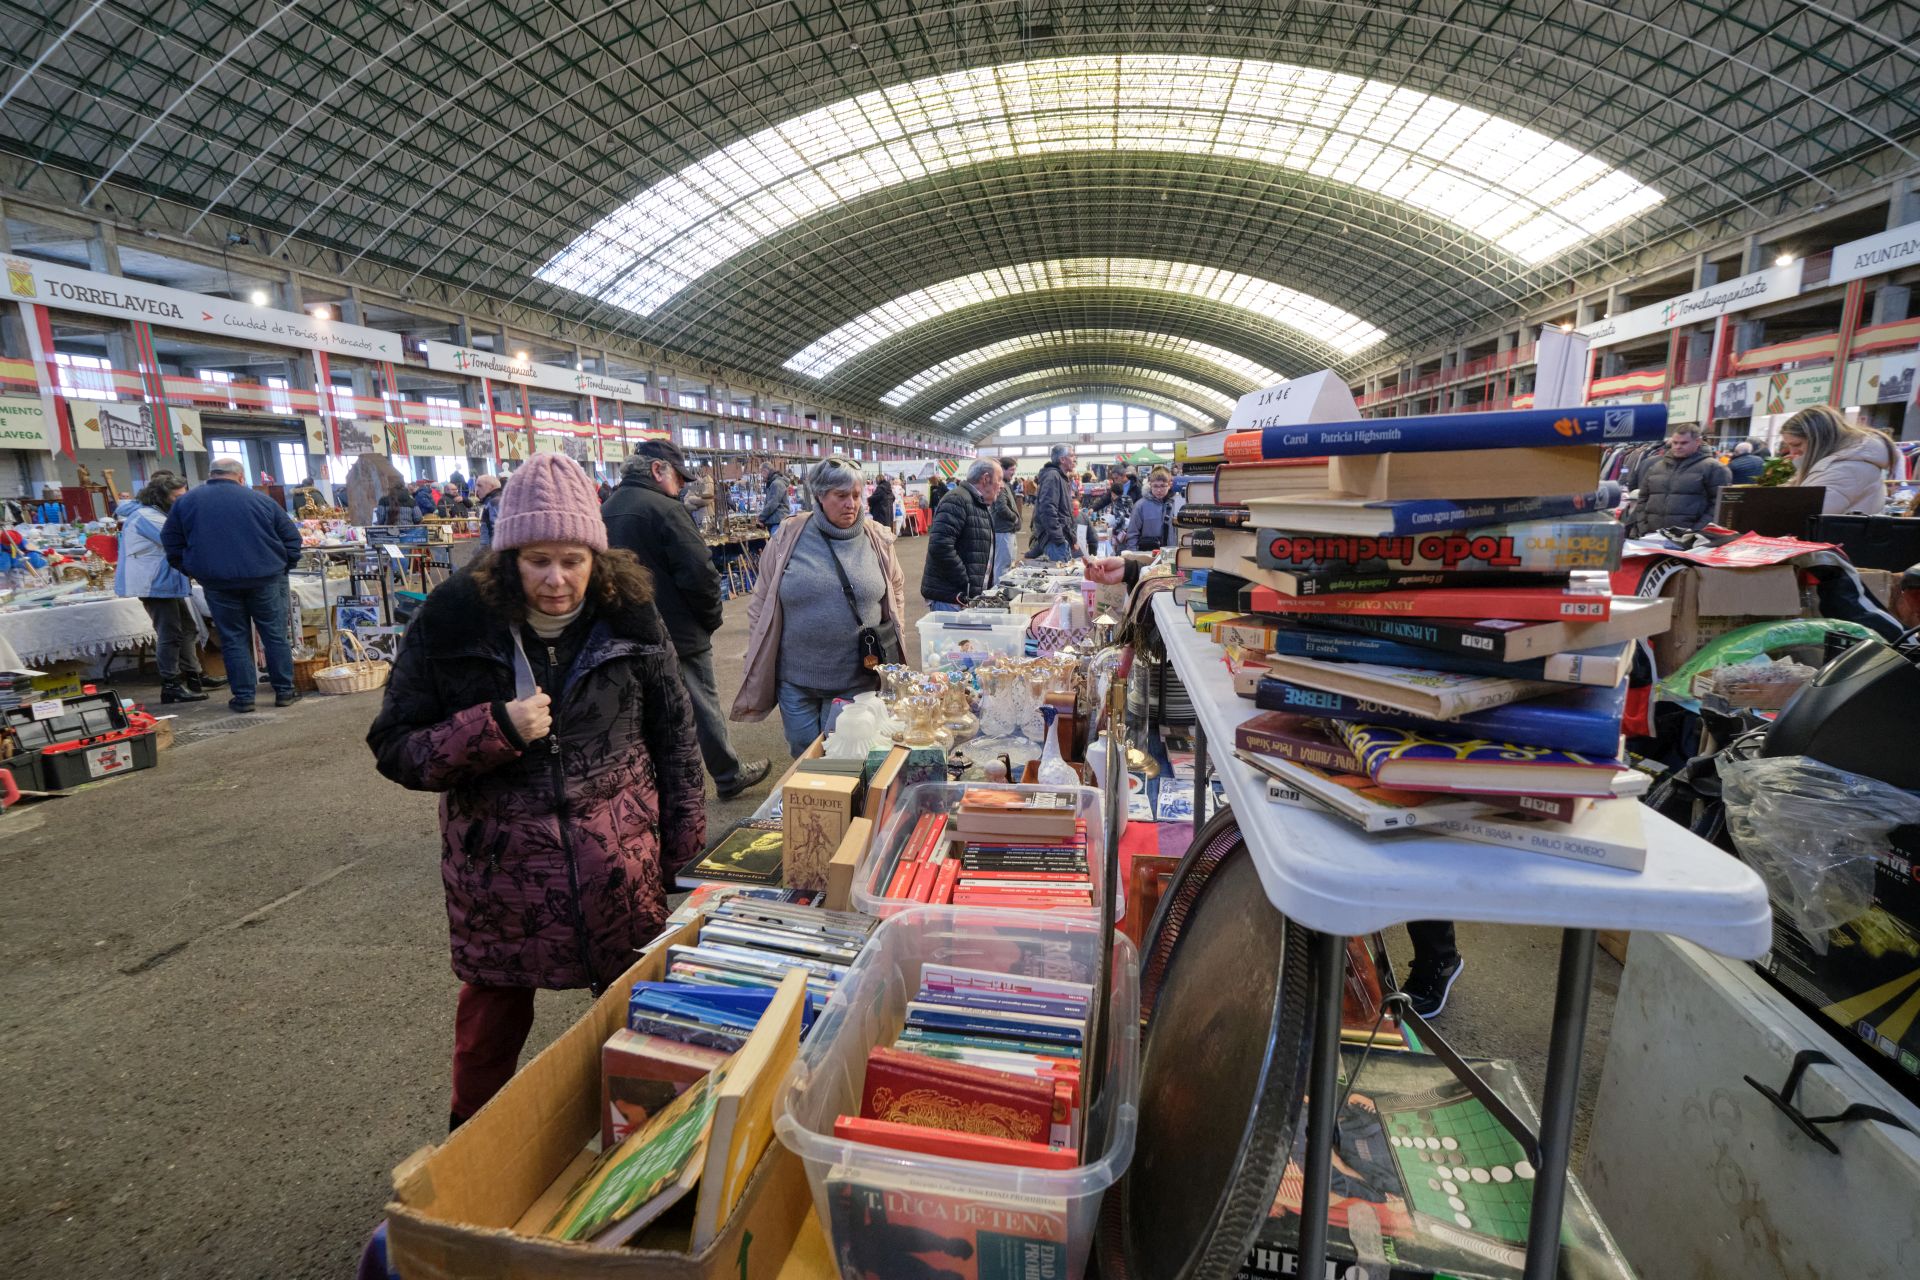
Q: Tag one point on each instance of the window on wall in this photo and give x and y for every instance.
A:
(219, 378)
(292, 455)
(692, 438)
(337, 468)
(443, 411)
(343, 403)
(232, 449)
(90, 377)
(1139, 419)
(280, 395)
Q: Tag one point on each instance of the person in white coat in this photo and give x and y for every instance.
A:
(1851, 463)
(144, 574)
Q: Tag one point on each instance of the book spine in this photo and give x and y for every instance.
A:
(1000, 1044)
(1322, 583)
(1439, 635)
(943, 884)
(1449, 432)
(1211, 515)
(1069, 877)
(1558, 845)
(1320, 755)
(1518, 603)
(1437, 515)
(903, 870)
(1539, 547)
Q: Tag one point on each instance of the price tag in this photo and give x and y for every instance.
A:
(46, 710)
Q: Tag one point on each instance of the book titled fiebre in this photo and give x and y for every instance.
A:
(1581, 719)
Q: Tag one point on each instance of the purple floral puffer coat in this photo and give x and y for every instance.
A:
(554, 854)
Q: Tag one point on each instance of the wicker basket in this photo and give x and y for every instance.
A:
(359, 674)
(304, 668)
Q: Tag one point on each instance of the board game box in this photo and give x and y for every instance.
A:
(1427, 1185)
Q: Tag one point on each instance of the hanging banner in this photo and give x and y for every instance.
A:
(1683, 404)
(1701, 305)
(160, 425)
(39, 329)
(95, 293)
(119, 424)
(475, 363)
(434, 442)
(1790, 392)
(316, 434)
(1876, 255)
(1882, 379)
(28, 422)
(355, 436)
(513, 445)
(1733, 398)
(476, 442)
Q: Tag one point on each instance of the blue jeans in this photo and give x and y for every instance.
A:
(1004, 556)
(236, 614)
(941, 606)
(1058, 551)
(806, 713)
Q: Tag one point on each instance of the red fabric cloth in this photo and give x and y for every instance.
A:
(490, 1027)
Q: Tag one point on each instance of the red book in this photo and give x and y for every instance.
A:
(964, 898)
(954, 1146)
(1296, 738)
(1065, 877)
(903, 870)
(1521, 604)
(913, 1089)
(943, 883)
(925, 873)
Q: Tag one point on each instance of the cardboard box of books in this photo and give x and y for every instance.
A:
(478, 1204)
(1709, 602)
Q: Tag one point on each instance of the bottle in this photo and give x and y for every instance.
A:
(1054, 769)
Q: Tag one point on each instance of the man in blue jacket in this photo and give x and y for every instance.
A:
(240, 545)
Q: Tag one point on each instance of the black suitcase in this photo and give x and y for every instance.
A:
(1872, 542)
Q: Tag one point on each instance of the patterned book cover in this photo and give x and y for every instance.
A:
(1582, 719)
(1297, 738)
(1457, 763)
(885, 1223)
(911, 1088)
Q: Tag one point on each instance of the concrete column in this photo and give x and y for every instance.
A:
(1891, 302)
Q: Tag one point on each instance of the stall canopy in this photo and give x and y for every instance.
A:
(1143, 457)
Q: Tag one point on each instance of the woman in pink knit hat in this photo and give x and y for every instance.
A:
(537, 691)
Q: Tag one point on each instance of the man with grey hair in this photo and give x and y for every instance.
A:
(645, 516)
(773, 507)
(240, 545)
(1006, 519)
(960, 542)
(1053, 507)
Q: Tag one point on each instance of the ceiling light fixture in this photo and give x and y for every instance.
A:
(322, 313)
(1525, 192)
(1784, 260)
(258, 297)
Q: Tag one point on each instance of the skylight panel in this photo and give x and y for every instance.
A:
(1269, 303)
(644, 253)
(1198, 393)
(1188, 414)
(1231, 364)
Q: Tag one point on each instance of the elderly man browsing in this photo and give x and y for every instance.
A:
(960, 543)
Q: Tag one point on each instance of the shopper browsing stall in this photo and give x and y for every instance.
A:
(1150, 527)
(144, 574)
(1006, 520)
(538, 690)
(960, 543)
(1678, 489)
(397, 508)
(1851, 463)
(773, 505)
(827, 583)
(486, 492)
(1053, 507)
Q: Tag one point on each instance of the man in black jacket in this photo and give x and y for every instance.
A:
(1053, 507)
(1006, 519)
(960, 543)
(645, 516)
(1679, 489)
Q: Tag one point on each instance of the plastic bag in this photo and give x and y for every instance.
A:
(1762, 639)
(1812, 832)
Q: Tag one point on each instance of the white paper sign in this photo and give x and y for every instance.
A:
(115, 757)
(71, 289)
(1318, 397)
(46, 710)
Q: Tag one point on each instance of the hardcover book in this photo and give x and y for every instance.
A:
(1437, 695)
(1464, 474)
(640, 1075)
(1534, 546)
(1608, 833)
(1362, 801)
(1315, 514)
(1508, 639)
(954, 1144)
(745, 855)
(1236, 482)
(1452, 762)
(1198, 515)
(1300, 739)
(1580, 719)
(1445, 432)
(911, 1088)
(1606, 665)
(887, 1222)
(1582, 600)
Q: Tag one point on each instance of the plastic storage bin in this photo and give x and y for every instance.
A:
(876, 865)
(869, 1008)
(947, 639)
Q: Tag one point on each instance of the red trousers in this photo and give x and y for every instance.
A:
(490, 1027)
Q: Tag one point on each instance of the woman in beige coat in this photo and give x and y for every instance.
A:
(801, 624)
(1851, 463)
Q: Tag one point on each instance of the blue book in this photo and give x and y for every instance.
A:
(1415, 515)
(1605, 666)
(1449, 432)
(1044, 1030)
(1585, 721)
(991, 1002)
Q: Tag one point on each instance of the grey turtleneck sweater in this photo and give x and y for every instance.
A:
(816, 627)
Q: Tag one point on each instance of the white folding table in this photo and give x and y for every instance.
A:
(1338, 881)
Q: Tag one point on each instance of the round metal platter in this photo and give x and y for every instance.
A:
(1224, 1068)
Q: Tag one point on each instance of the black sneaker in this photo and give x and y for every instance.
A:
(752, 773)
(1428, 983)
(240, 708)
(287, 699)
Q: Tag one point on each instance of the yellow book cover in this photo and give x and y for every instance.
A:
(743, 1110)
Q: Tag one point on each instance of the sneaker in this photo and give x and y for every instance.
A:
(240, 708)
(287, 699)
(1428, 983)
(752, 774)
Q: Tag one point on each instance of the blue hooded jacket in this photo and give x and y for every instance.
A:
(143, 571)
(228, 536)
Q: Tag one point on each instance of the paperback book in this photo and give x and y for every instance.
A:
(886, 1221)
(1580, 719)
(1535, 546)
(1360, 800)
(1581, 600)
(1607, 833)
(1432, 761)
(1606, 665)
(1316, 514)
(1509, 639)
(1436, 695)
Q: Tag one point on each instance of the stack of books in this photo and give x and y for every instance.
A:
(1440, 638)
(987, 1068)
(1001, 848)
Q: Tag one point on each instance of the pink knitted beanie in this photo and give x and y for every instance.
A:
(549, 499)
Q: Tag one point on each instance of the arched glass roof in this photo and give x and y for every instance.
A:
(1087, 389)
(1196, 393)
(1516, 187)
(1270, 303)
(1232, 365)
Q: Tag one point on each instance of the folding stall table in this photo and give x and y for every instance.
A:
(1336, 881)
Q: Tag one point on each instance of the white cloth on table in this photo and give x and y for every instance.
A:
(71, 632)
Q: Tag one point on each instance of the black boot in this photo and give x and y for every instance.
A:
(174, 691)
(200, 682)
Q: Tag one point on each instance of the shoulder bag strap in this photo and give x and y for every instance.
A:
(840, 571)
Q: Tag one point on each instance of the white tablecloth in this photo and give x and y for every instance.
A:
(69, 632)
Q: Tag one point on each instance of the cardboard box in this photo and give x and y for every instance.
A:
(845, 858)
(1709, 603)
(815, 811)
(454, 1206)
(60, 680)
(1881, 583)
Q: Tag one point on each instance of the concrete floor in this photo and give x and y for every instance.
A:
(226, 1008)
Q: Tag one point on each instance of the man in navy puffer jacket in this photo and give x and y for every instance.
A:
(240, 545)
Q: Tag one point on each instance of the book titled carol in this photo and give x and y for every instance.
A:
(1448, 432)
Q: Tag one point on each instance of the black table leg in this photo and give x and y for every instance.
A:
(1201, 786)
(1323, 1097)
(1571, 997)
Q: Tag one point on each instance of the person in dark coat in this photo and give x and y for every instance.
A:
(880, 501)
(773, 505)
(960, 541)
(486, 492)
(1749, 462)
(240, 545)
(537, 691)
(1677, 489)
(646, 516)
(1006, 519)
(1053, 507)
(423, 497)
(397, 508)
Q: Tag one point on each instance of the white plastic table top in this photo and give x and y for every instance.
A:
(1329, 875)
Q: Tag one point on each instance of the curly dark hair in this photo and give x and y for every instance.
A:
(618, 581)
(159, 490)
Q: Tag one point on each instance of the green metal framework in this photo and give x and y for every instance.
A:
(467, 142)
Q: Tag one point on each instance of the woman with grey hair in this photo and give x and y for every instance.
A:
(823, 579)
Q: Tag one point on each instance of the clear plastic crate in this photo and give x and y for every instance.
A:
(876, 865)
(947, 639)
(869, 1009)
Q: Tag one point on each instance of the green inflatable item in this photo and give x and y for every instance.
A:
(1761, 640)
